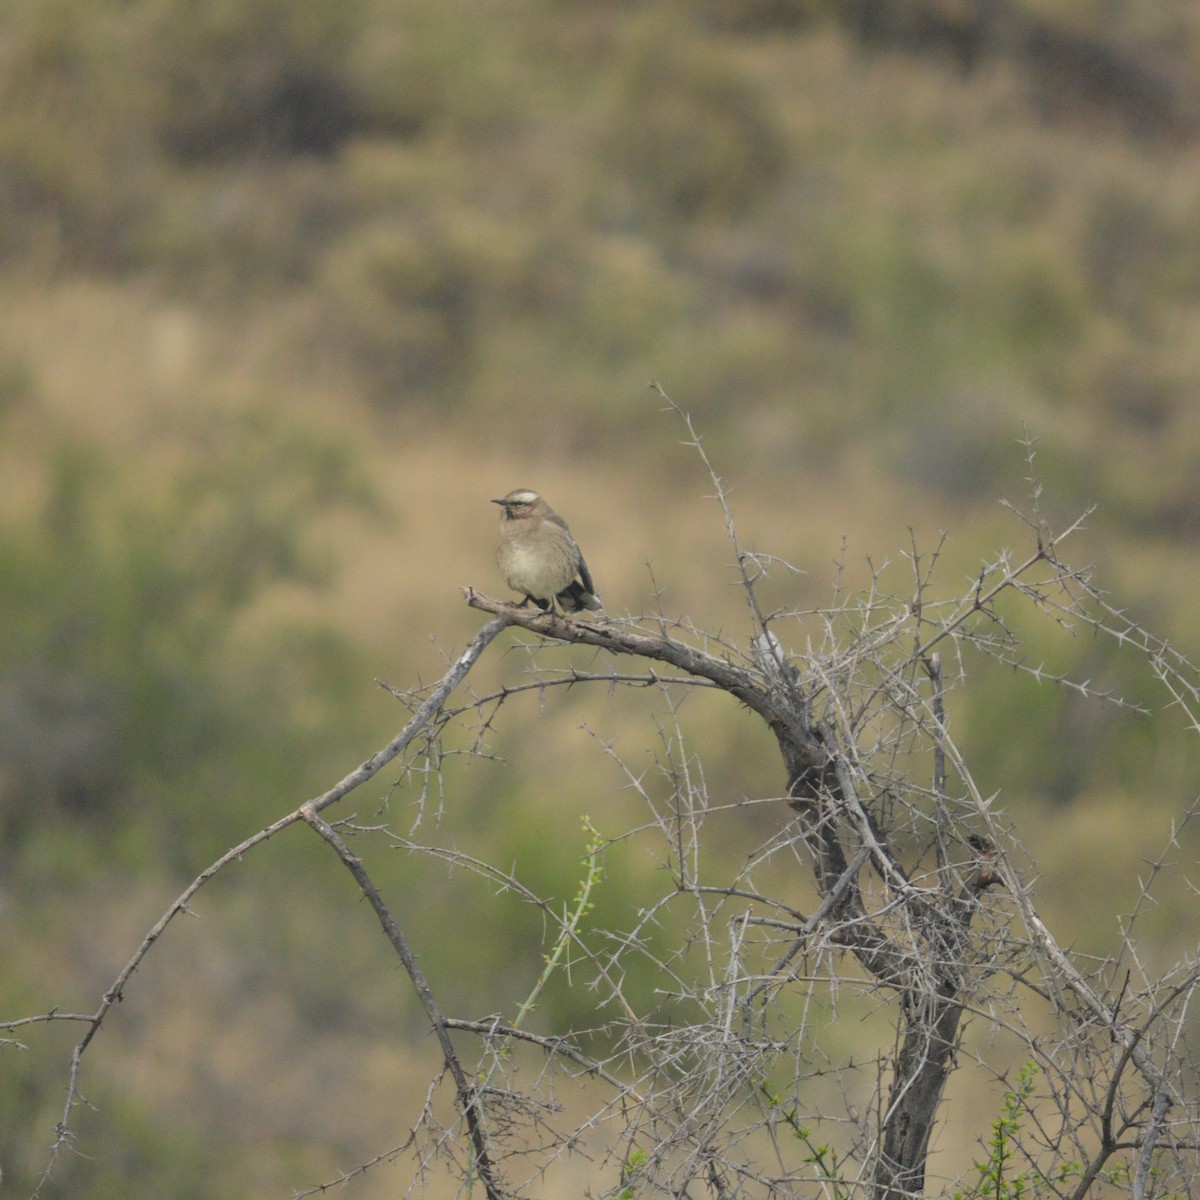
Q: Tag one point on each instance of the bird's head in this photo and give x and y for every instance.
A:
(520, 503)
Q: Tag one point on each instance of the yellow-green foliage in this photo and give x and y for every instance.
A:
(125, 671)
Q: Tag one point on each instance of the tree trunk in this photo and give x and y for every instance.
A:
(922, 1066)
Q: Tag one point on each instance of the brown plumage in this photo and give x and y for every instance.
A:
(538, 556)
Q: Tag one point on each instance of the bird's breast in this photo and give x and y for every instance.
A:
(538, 566)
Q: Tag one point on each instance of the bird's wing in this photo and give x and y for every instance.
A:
(586, 576)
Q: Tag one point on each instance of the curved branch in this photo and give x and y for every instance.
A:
(811, 764)
(739, 682)
(468, 1097)
(363, 772)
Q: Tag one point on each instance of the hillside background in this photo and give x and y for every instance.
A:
(290, 291)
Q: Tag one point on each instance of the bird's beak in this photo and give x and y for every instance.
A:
(498, 502)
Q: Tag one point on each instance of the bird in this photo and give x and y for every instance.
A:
(538, 556)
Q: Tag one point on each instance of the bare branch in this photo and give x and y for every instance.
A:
(468, 1098)
(366, 770)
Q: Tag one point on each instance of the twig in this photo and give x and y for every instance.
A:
(468, 1097)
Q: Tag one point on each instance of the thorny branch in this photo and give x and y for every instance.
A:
(910, 882)
(926, 956)
(363, 772)
(468, 1099)
(923, 957)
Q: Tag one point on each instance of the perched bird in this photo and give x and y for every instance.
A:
(538, 556)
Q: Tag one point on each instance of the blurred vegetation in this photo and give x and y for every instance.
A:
(292, 289)
(125, 678)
